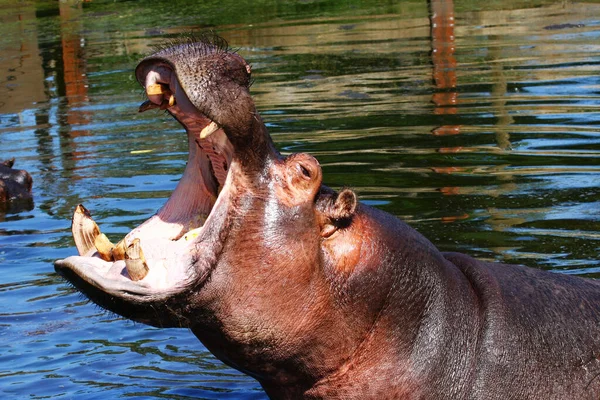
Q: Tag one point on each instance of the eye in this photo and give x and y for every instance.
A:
(305, 171)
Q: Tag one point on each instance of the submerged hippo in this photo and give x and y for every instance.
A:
(313, 293)
(15, 187)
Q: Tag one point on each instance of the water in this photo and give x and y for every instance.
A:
(488, 145)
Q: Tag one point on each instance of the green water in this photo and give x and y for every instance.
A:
(488, 145)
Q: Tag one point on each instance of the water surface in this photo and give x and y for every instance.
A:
(478, 124)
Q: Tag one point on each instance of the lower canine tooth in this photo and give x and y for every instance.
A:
(104, 247)
(84, 229)
(135, 262)
(209, 130)
(171, 101)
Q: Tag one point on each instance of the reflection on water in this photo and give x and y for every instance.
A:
(477, 124)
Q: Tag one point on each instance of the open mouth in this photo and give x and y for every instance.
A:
(159, 255)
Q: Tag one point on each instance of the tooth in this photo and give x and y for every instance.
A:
(118, 252)
(171, 101)
(104, 247)
(84, 230)
(136, 268)
(191, 235)
(154, 89)
(209, 130)
(135, 262)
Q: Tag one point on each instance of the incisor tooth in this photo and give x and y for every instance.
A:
(84, 230)
(104, 247)
(154, 89)
(135, 262)
(209, 130)
(118, 252)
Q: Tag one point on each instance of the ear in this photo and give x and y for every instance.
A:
(338, 213)
(303, 176)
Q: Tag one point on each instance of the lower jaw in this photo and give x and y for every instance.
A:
(160, 308)
(168, 239)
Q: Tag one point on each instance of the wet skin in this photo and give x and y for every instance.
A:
(15, 187)
(317, 295)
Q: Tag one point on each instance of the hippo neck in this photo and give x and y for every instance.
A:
(401, 284)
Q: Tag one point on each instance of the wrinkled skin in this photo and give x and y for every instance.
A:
(15, 187)
(318, 296)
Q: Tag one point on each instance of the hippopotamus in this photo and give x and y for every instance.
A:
(311, 292)
(15, 186)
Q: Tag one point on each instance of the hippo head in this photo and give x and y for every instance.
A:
(15, 188)
(236, 252)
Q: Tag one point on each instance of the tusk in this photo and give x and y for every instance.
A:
(87, 235)
(209, 130)
(171, 101)
(84, 230)
(104, 247)
(135, 262)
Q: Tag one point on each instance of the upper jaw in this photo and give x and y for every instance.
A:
(165, 92)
